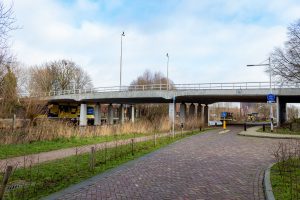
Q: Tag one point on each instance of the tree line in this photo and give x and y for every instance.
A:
(18, 81)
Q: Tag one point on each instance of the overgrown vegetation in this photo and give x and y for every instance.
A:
(49, 135)
(285, 174)
(40, 180)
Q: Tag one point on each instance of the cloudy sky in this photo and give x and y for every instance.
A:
(207, 40)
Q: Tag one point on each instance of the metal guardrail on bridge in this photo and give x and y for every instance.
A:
(198, 86)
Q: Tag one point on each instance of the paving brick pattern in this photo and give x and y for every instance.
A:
(208, 166)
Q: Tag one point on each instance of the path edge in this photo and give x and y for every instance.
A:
(269, 195)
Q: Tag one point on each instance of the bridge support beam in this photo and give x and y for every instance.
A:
(97, 112)
(192, 111)
(83, 113)
(121, 114)
(110, 114)
(206, 115)
(132, 113)
(281, 111)
(182, 112)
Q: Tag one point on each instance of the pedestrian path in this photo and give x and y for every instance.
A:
(34, 159)
(205, 166)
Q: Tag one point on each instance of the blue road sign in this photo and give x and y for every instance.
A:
(271, 98)
(223, 114)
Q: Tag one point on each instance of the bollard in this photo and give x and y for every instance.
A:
(245, 127)
(132, 153)
(264, 127)
(200, 128)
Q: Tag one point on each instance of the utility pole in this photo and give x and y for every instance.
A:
(271, 91)
(122, 35)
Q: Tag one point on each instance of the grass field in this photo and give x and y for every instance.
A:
(13, 150)
(285, 179)
(285, 131)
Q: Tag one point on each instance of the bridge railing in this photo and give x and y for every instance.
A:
(198, 86)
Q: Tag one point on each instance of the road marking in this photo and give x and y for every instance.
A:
(225, 131)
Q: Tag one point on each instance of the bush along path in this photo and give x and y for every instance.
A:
(35, 180)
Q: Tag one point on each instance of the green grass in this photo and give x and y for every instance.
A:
(47, 178)
(286, 181)
(284, 131)
(14, 150)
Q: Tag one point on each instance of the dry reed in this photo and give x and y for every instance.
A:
(47, 130)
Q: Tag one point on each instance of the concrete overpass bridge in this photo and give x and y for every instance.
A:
(200, 95)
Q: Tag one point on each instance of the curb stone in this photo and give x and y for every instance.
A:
(267, 184)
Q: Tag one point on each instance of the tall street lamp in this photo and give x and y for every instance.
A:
(122, 35)
(270, 70)
(167, 71)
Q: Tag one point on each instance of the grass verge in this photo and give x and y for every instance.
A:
(14, 150)
(284, 131)
(285, 179)
(46, 178)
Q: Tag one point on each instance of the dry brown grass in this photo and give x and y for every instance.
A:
(46, 130)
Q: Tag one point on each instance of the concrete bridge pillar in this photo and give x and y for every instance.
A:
(192, 111)
(172, 112)
(83, 113)
(182, 112)
(110, 114)
(121, 114)
(132, 113)
(206, 115)
(281, 111)
(97, 115)
(199, 111)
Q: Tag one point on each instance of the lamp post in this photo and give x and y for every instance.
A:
(167, 71)
(270, 70)
(122, 35)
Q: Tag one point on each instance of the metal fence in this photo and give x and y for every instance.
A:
(173, 87)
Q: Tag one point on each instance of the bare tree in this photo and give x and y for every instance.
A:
(149, 78)
(153, 112)
(286, 61)
(58, 75)
(8, 81)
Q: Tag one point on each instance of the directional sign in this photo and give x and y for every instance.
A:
(90, 111)
(271, 98)
(223, 114)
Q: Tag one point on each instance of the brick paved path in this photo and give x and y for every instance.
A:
(207, 166)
